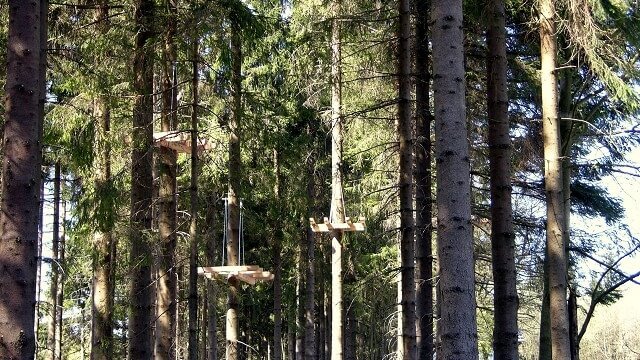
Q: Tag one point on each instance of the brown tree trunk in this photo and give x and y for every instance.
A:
(424, 256)
(505, 298)
(141, 293)
(103, 261)
(299, 306)
(39, 266)
(60, 295)
(544, 347)
(193, 228)
(405, 183)
(455, 242)
(103, 282)
(234, 188)
(573, 325)
(55, 265)
(166, 171)
(212, 293)
(204, 324)
(277, 265)
(559, 315)
(310, 352)
(337, 201)
(21, 179)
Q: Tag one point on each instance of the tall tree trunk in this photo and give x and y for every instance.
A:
(204, 324)
(103, 257)
(299, 306)
(405, 184)
(337, 201)
(55, 265)
(39, 266)
(20, 184)
(567, 135)
(42, 97)
(505, 298)
(141, 293)
(212, 313)
(424, 256)
(310, 352)
(544, 348)
(166, 171)
(234, 188)
(193, 228)
(573, 324)
(103, 282)
(212, 293)
(455, 242)
(277, 264)
(559, 315)
(60, 295)
(322, 318)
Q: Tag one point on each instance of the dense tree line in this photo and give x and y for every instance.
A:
(146, 142)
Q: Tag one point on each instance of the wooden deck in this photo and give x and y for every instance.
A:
(179, 141)
(247, 273)
(348, 225)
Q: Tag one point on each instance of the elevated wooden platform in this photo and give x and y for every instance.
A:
(348, 225)
(179, 141)
(247, 273)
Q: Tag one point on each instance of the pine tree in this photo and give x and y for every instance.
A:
(165, 330)
(556, 254)
(405, 184)
(505, 332)
(422, 160)
(21, 181)
(234, 168)
(104, 257)
(141, 293)
(455, 243)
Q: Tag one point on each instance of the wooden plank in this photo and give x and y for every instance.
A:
(327, 226)
(179, 141)
(246, 278)
(247, 273)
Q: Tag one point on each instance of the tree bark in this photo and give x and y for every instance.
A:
(141, 293)
(455, 242)
(234, 188)
(21, 179)
(60, 294)
(544, 347)
(505, 298)
(299, 306)
(103, 285)
(310, 352)
(559, 315)
(424, 256)
(405, 184)
(337, 201)
(104, 254)
(212, 293)
(573, 323)
(193, 227)
(55, 265)
(277, 265)
(166, 171)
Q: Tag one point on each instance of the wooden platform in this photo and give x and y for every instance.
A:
(327, 226)
(179, 141)
(247, 273)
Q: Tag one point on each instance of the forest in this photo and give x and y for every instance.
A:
(319, 179)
